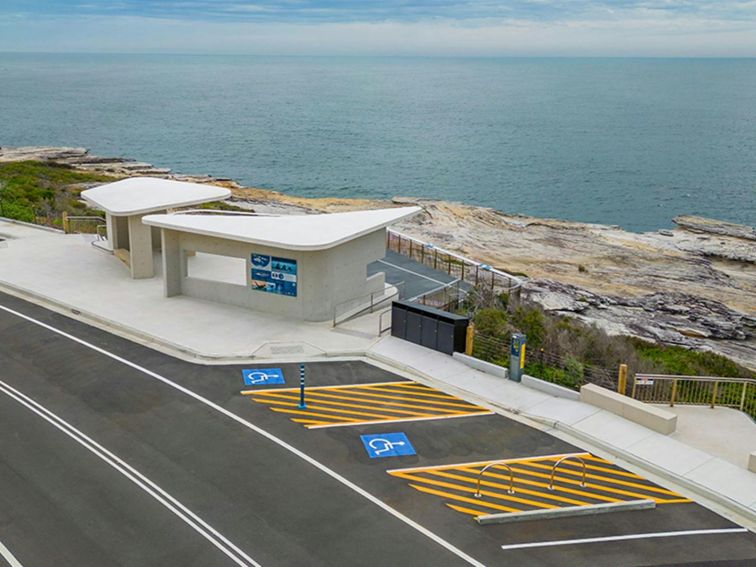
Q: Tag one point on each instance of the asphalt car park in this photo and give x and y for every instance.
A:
(114, 453)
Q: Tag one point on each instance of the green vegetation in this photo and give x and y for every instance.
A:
(40, 192)
(569, 352)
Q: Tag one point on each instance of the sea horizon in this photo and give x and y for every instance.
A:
(628, 141)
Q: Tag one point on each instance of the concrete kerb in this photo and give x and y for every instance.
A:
(161, 345)
(565, 512)
(740, 513)
(32, 225)
(724, 505)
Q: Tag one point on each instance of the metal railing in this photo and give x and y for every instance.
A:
(565, 458)
(467, 270)
(83, 224)
(738, 393)
(383, 326)
(510, 490)
(368, 303)
(446, 298)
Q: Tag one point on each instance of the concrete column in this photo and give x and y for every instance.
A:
(110, 228)
(140, 244)
(173, 268)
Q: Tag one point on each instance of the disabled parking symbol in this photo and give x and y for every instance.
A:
(387, 445)
(262, 376)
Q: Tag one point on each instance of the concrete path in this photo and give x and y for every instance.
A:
(693, 469)
(66, 273)
(723, 432)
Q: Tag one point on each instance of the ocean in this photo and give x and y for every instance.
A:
(631, 142)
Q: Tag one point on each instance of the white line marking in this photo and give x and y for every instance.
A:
(280, 442)
(8, 556)
(401, 419)
(625, 537)
(199, 525)
(411, 272)
(479, 463)
(337, 387)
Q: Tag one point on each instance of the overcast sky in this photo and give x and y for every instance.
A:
(385, 27)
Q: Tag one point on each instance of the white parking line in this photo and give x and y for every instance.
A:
(624, 537)
(280, 442)
(189, 517)
(8, 556)
(413, 273)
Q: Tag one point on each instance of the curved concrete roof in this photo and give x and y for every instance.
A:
(291, 232)
(139, 195)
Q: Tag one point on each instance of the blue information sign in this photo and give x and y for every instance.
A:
(261, 376)
(274, 275)
(387, 445)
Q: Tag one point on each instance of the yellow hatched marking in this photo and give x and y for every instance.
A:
(606, 479)
(464, 510)
(296, 389)
(308, 421)
(343, 404)
(587, 485)
(604, 469)
(475, 501)
(320, 415)
(334, 410)
(597, 459)
(547, 495)
(484, 463)
(382, 401)
(519, 480)
(405, 397)
(462, 488)
(438, 394)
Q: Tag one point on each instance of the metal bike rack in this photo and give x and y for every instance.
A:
(554, 468)
(488, 466)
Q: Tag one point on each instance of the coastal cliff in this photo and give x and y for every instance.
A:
(694, 285)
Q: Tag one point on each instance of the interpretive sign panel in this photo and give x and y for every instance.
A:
(274, 275)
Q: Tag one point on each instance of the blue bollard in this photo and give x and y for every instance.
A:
(302, 404)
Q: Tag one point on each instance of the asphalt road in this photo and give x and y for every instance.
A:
(191, 472)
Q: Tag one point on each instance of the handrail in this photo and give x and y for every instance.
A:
(381, 329)
(83, 217)
(383, 295)
(519, 280)
(511, 489)
(694, 378)
(565, 458)
(712, 391)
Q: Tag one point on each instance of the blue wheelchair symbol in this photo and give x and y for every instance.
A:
(387, 445)
(262, 376)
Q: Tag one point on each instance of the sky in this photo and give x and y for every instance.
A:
(707, 28)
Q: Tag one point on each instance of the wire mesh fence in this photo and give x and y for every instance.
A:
(463, 269)
(551, 367)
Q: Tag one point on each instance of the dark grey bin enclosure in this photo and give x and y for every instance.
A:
(429, 327)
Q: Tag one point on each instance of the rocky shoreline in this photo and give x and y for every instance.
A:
(693, 286)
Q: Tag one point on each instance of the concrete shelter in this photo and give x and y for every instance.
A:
(125, 202)
(299, 266)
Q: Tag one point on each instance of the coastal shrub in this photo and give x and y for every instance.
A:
(29, 189)
(493, 323)
(569, 352)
